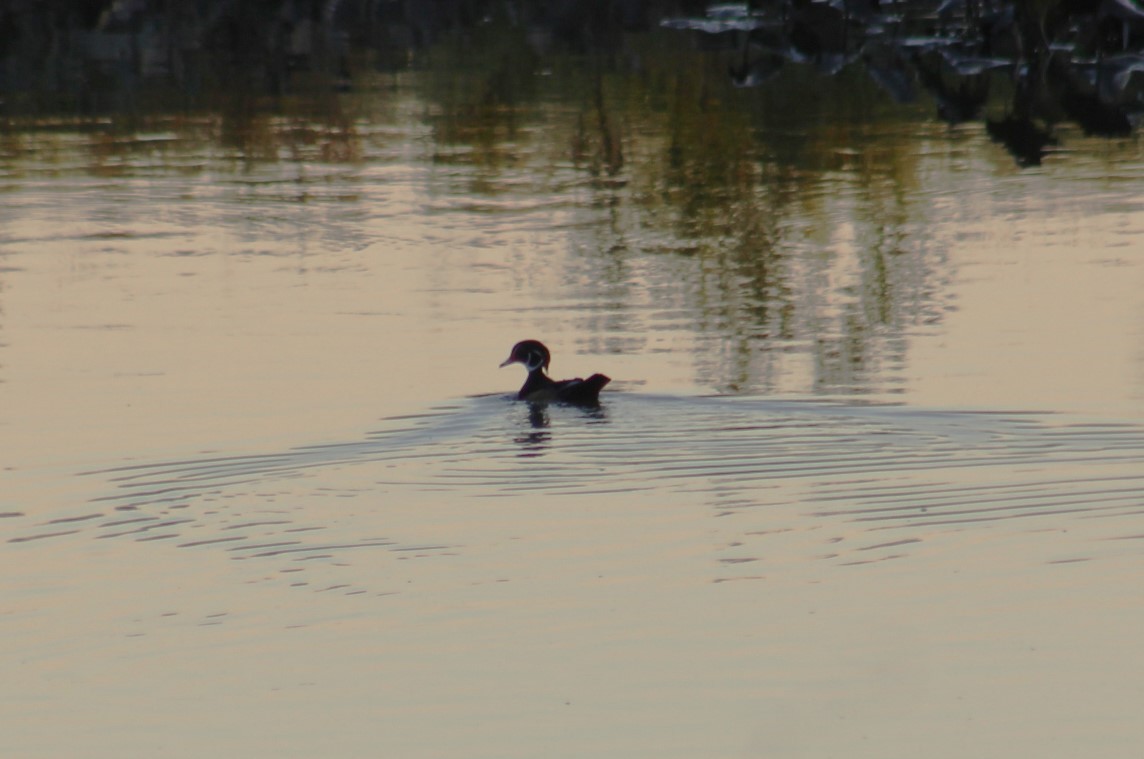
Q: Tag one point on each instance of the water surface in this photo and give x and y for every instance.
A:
(867, 481)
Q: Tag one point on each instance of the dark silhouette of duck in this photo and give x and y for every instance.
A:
(539, 387)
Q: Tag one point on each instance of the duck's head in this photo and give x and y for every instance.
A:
(531, 353)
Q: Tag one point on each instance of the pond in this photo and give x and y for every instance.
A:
(868, 479)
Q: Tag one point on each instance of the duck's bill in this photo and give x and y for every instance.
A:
(506, 362)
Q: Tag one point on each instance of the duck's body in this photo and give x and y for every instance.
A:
(539, 387)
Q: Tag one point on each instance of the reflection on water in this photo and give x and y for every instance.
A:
(536, 441)
(779, 223)
(1022, 67)
(1031, 66)
(800, 229)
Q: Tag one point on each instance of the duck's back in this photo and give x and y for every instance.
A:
(541, 389)
(584, 391)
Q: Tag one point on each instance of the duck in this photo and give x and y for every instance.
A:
(539, 387)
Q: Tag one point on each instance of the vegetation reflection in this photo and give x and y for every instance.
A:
(751, 170)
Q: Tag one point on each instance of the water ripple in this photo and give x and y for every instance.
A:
(781, 470)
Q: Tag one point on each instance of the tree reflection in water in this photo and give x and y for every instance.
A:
(720, 143)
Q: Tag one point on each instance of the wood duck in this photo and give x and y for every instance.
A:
(540, 387)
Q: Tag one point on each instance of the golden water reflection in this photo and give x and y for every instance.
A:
(816, 241)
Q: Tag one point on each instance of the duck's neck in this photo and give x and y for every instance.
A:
(537, 380)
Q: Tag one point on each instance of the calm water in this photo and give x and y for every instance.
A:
(869, 481)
